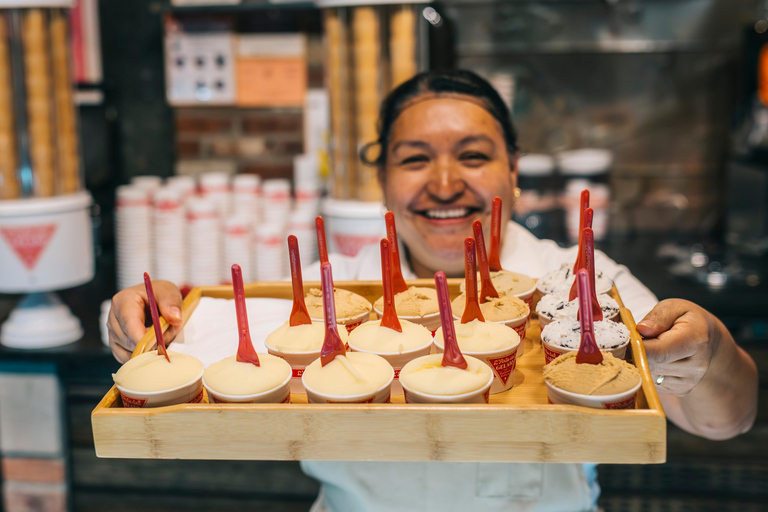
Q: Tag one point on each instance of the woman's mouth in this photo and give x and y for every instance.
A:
(448, 213)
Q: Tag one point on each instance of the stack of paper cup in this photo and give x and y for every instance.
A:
(133, 235)
(237, 247)
(148, 183)
(169, 227)
(204, 242)
(215, 186)
(186, 184)
(276, 195)
(270, 252)
(246, 189)
(306, 183)
(301, 223)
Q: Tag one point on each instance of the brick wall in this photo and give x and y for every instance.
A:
(261, 141)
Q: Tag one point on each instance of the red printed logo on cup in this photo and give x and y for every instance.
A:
(629, 403)
(130, 402)
(28, 242)
(298, 372)
(350, 245)
(549, 355)
(397, 373)
(487, 395)
(504, 366)
(520, 330)
(198, 398)
(287, 398)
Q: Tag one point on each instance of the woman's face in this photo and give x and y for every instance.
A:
(446, 160)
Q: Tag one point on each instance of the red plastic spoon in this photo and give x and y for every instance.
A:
(472, 306)
(452, 356)
(299, 312)
(389, 318)
(586, 220)
(322, 246)
(332, 344)
(583, 205)
(588, 257)
(588, 352)
(487, 288)
(398, 283)
(245, 351)
(155, 317)
(494, 263)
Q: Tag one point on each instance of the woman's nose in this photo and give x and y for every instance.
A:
(446, 182)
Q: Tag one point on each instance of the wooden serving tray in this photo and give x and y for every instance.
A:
(518, 425)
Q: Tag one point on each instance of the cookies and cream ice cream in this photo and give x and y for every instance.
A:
(356, 373)
(415, 301)
(151, 372)
(566, 333)
(477, 336)
(348, 304)
(557, 307)
(372, 337)
(506, 307)
(232, 377)
(561, 280)
(427, 375)
(612, 376)
(300, 338)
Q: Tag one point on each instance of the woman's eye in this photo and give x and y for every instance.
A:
(416, 159)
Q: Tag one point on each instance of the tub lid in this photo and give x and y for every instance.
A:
(352, 209)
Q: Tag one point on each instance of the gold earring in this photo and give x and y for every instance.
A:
(516, 198)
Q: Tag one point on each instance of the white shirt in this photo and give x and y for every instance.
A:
(487, 487)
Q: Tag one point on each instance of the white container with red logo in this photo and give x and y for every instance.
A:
(351, 225)
(45, 244)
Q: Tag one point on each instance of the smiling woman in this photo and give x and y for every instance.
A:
(446, 148)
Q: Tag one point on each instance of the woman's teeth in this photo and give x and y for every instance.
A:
(453, 213)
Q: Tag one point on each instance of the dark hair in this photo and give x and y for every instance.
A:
(444, 81)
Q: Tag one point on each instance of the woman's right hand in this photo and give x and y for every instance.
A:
(130, 310)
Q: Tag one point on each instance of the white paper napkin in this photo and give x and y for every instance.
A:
(211, 332)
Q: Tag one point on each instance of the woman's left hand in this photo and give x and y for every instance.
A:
(681, 339)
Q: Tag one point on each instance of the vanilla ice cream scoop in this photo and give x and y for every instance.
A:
(427, 375)
(232, 377)
(151, 372)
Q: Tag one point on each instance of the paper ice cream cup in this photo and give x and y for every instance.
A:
(298, 361)
(189, 393)
(430, 321)
(503, 363)
(479, 396)
(279, 395)
(519, 325)
(552, 351)
(625, 400)
(380, 396)
(397, 360)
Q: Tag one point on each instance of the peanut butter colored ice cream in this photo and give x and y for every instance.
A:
(300, 338)
(610, 377)
(415, 301)
(427, 375)
(372, 337)
(151, 371)
(502, 309)
(356, 373)
(232, 377)
(477, 336)
(348, 304)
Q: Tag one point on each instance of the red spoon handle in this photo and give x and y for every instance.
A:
(494, 261)
(245, 351)
(588, 349)
(398, 282)
(299, 312)
(588, 213)
(472, 306)
(155, 317)
(389, 317)
(452, 356)
(332, 344)
(322, 246)
(487, 288)
(583, 205)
